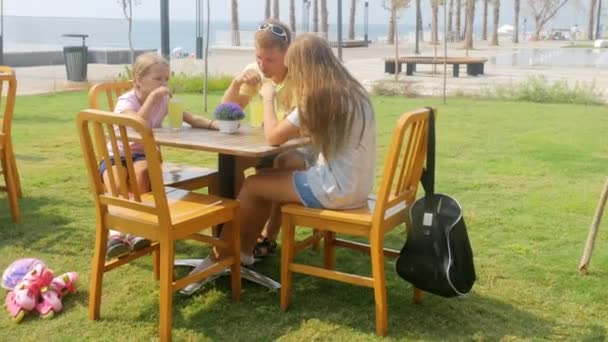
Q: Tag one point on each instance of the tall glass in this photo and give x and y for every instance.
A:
(256, 111)
(176, 113)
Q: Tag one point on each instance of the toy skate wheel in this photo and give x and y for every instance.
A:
(19, 317)
(49, 315)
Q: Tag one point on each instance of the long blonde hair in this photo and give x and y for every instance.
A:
(144, 62)
(329, 97)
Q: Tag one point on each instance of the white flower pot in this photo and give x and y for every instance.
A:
(229, 127)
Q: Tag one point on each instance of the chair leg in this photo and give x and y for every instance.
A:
(13, 165)
(315, 245)
(235, 269)
(329, 252)
(156, 263)
(378, 274)
(287, 255)
(97, 271)
(417, 296)
(10, 186)
(167, 250)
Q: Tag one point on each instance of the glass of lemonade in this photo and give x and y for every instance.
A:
(256, 111)
(176, 112)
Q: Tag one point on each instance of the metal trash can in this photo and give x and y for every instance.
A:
(76, 59)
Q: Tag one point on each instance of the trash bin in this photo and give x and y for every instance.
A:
(76, 59)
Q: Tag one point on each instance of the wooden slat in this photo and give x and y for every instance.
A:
(363, 247)
(333, 275)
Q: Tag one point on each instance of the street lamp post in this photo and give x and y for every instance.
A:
(599, 15)
(340, 30)
(418, 28)
(366, 23)
(199, 29)
(305, 15)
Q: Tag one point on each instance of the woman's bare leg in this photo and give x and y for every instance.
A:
(256, 196)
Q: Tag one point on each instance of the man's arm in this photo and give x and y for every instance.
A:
(248, 77)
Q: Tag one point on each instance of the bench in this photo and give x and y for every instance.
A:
(474, 64)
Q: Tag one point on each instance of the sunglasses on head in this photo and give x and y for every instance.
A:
(276, 30)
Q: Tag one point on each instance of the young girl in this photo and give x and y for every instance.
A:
(334, 110)
(148, 99)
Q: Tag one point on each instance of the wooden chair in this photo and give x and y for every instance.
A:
(178, 176)
(402, 171)
(163, 215)
(7, 155)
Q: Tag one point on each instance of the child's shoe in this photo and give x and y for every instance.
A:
(118, 246)
(25, 295)
(137, 242)
(50, 298)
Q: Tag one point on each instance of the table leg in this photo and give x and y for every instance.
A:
(230, 171)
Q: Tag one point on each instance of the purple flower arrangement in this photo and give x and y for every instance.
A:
(228, 111)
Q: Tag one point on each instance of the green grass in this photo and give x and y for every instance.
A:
(527, 175)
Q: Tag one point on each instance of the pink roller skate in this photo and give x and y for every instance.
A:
(24, 296)
(50, 297)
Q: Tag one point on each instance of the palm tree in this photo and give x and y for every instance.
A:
(275, 9)
(393, 6)
(434, 21)
(292, 15)
(267, 10)
(236, 38)
(351, 21)
(484, 26)
(315, 16)
(458, 26)
(516, 23)
(450, 14)
(324, 17)
(591, 16)
(494, 41)
(470, 16)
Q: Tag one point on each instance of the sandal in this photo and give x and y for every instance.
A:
(264, 248)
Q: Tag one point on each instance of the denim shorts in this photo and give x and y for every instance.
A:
(137, 156)
(300, 184)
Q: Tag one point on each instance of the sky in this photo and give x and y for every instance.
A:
(252, 10)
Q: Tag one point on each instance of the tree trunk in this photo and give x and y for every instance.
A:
(496, 19)
(324, 18)
(315, 16)
(236, 34)
(484, 25)
(538, 28)
(131, 50)
(470, 15)
(267, 10)
(390, 38)
(292, 16)
(450, 14)
(275, 9)
(421, 33)
(351, 21)
(457, 28)
(516, 23)
(434, 22)
(590, 29)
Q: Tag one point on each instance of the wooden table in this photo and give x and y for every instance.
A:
(235, 151)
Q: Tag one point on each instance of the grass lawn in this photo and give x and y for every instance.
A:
(527, 175)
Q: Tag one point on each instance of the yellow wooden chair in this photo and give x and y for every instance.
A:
(402, 171)
(7, 155)
(163, 215)
(179, 176)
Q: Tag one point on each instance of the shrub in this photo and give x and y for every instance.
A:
(537, 89)
(185, 83)
(394, 88)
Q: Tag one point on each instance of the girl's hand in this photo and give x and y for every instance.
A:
(160, 93)
(267, 92)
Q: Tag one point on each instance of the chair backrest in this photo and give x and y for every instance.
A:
(403, 165)
(8, 81)
(100, 134)
(111, 90)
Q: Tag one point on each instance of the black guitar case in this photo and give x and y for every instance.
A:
(437, 255)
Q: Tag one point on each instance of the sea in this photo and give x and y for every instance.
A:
(43, 33)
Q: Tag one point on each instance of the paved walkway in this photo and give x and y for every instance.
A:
(365, 64)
